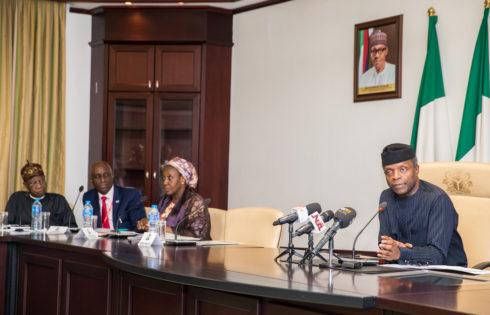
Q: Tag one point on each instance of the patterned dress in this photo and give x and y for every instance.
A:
(197, 224)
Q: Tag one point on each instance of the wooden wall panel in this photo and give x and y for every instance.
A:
(86, 289)
(3, 275)
(40, 279)
(204, 302)
(147, 296)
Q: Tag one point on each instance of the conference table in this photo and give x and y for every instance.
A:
(60, 274)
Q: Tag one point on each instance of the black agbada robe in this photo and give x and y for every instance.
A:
(19, 208)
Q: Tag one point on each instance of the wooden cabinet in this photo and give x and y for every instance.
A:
(150, 103)
(178, 68)
(148, 129)
(131, 67)
(171, 68)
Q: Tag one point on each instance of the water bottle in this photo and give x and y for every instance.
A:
(37, 208)
(88, 211)
(153, 218)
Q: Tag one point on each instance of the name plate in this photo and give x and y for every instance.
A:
(149, 239)
(87, 233)
(55, 230)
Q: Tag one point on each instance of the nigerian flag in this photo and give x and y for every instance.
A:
(474, 136)
(430, 133)
(364, 50)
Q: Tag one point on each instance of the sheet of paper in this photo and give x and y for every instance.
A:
(216, 243)
(458, 269)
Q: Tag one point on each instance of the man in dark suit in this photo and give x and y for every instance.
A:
(110, 201)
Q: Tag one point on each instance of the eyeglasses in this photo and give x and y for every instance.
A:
(37, 182)
(98, 177)
(378, 51)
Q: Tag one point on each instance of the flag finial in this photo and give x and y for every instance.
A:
(432, 11)
(487, 4)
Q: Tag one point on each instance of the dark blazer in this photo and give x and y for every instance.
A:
(125, 199)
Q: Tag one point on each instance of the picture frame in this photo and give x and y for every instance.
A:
(378, 59)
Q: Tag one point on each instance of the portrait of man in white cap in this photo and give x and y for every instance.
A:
(382, 73)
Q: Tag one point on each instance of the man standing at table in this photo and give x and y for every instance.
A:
(419, 224)
(111, 202)
(19, 205)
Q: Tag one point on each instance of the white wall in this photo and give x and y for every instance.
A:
(296, 134)
(78, 33)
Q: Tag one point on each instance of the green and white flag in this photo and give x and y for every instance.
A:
(430, 133)
(474, 136)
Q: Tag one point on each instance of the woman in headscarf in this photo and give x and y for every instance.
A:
(179, 182)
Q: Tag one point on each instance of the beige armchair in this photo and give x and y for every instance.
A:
(474, 217)
(218, 221)
(253, 226)
(468, 186)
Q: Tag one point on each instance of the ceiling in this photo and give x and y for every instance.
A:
(225, 4)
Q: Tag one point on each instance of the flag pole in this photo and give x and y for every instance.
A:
(487, 4)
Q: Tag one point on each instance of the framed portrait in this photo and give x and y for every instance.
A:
(378, 59)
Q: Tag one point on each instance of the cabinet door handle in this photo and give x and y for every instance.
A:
(157, 84)
(147, 175)
(154, 175)
(149, 84)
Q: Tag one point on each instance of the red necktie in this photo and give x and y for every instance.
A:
(105, 215)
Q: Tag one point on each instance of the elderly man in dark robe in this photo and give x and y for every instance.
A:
(19, 205)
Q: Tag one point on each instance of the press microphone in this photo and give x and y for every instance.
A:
(308, 227)
(80, 189)
(381, 207)
(342, 219)
(142, 200)
(175, 242)
(300, 213)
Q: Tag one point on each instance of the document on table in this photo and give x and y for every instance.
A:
(216, 243)
(456, 269)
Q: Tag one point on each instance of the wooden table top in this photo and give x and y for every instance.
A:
(253, 271)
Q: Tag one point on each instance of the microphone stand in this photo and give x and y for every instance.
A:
(309, 251)
(381, 207)
(310, 254)
(357, 236)
(330, 252)
(290, 250)
(80, 189)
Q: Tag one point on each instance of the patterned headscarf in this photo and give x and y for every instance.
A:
(186, 169)
(31, 170)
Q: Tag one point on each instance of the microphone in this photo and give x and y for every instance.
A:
(342, 219)
(175, 242)
(142, 200)
(308, 227)
(80, 189)
(381, 207)
(299, 212)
